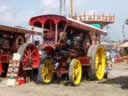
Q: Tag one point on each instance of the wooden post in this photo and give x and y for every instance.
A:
(71, 8)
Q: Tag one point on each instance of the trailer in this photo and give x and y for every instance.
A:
(70, 49)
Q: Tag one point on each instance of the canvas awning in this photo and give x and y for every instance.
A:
(124, 44)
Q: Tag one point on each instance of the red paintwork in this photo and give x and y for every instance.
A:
(50, 49)
(42, 19)
(0, 68)
(84, 60)
(4, 58)
(31, 55)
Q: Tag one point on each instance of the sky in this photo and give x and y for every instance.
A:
(19, 12)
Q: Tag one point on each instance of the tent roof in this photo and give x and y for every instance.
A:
(124, 44)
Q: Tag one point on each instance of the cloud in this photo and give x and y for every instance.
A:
(10, 16)
(49, 6)
(50, 3)
(7, 15)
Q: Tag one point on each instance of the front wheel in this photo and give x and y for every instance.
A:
(47, 71)
(75, 72)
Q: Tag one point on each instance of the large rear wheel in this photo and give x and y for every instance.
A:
(29, 56)
(29, 61)
(75, 72)
(98, 62)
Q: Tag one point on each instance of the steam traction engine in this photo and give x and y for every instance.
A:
(70, 48)
(12, 40)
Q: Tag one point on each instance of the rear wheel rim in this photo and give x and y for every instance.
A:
(100, 63)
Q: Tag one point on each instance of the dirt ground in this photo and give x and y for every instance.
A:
(116, 85)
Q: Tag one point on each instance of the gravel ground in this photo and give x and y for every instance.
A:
(116, 85)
